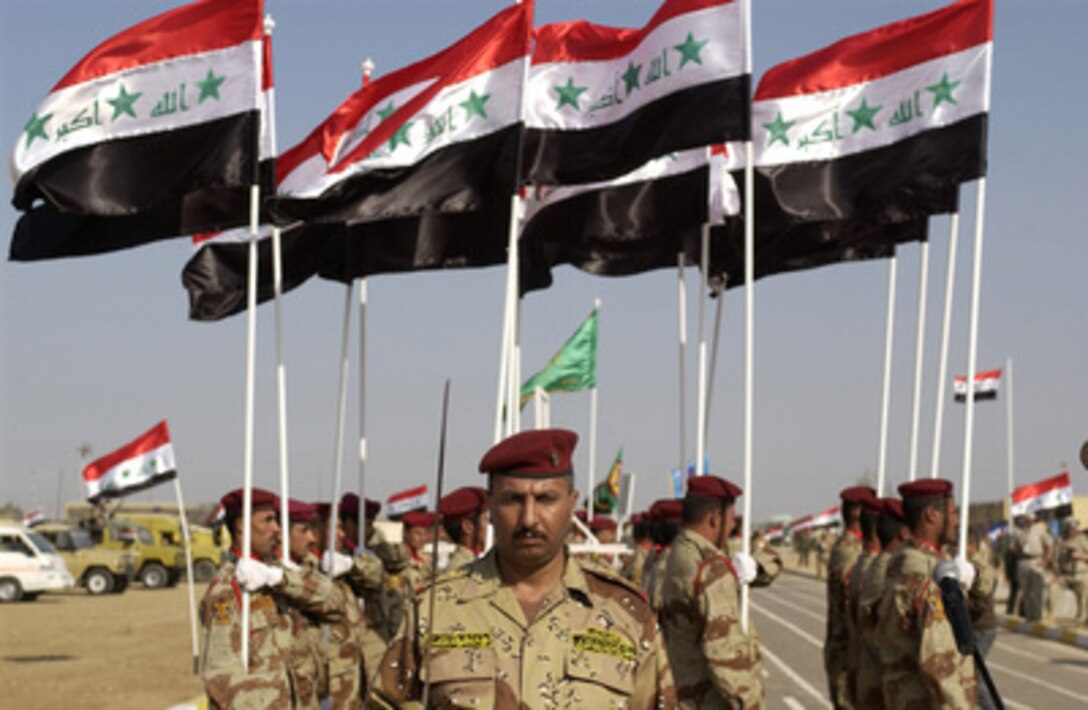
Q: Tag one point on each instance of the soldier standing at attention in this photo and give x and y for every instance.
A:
(269, 680)
(308, 655)
(844, 553)
(920, 664)
(644, 545)
(667, 514)
(1073, 565)
(714, 662)
(855, 577)
(464, 517)
(526, 625)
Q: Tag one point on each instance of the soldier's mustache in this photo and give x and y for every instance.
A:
(529, 533)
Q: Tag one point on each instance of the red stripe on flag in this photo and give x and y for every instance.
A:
(1034, 490)
(410, 493)
(190, 29)
(267, 80)
(583, 41)
(883, 51)
(150, 440)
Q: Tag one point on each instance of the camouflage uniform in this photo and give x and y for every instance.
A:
(593, 644)
(460, 557)
(654, 581)
(381, 583)
(716, 665)
(844, 554)
(920, 665)
(308, 664)
(855, 578)
(636, 562)
(270, 680)
(1075, 572)
(868, 689)
(346, 670)
(1031, 570)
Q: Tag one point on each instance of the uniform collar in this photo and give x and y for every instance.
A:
(238, 554)
(926, 546)
(855, 533)
(701, 542)
(484, 580)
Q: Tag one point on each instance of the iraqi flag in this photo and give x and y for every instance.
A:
(33, 517)
(408, 500)
(774, 534)
(634, 223)
(883, 125)
(440, 136)
(827, 518)
(153, 134)
(986, 385)
(142, 463)
(603, 101)
(1050, 493)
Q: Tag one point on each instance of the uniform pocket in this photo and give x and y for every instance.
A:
(463, 677)
(602, 663)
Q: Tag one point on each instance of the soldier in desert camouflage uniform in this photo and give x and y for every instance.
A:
(1072, 556)
(667, 514)
(855, 577)
(891, 530)
(844, 553)
(635, 563)
(715, 663)
(527, 625)
(920, 664)
(270, 680)
(464, 517)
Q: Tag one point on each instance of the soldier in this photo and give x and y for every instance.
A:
(464, 517)
(844, 553)
(667, 514)
(527, 625)
(1036, 551)
(1073, 565)
(855, 577)
(715, 663)
(644, 545)
(980, 604)
(891, 530)
(348, 513)
(919, 662)
(418, 537)
(308, 654)
(266, 678)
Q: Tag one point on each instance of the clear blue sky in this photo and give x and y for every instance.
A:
(98, 349)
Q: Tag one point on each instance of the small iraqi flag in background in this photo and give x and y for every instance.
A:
(412, 499)
(1053, 492)
(142, 463)
(986, 384)
(831, 516)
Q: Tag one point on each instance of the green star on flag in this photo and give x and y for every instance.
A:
(401, 136)
(568, 95)
(689, 50)
(631, 77)
(779, 130)
(35, 128)
(942, 90)
(863, 116)
(209, 86)
(384, 113)
(474, 105)
(123, 103)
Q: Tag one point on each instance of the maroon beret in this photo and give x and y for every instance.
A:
(372, 508)
(418, 519)
(637, 518)
(540, 453)
(857, 494)
(712, 487)
(581, 514)
(300, 512)
(872, 505)
(667, 510)
(349, 507)
(601, 522)
(232, 502)
(892, 508)
(926, 488)
(323, 510)
(462, 503)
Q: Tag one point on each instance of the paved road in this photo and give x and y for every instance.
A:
(789, 617)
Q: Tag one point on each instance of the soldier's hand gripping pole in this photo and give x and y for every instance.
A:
(434, 546)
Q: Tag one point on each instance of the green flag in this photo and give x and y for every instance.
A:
(573, 368)
(606, 495)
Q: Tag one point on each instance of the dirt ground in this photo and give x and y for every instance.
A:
(130, 650)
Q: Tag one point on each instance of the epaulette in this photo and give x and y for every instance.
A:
(609, 575)
(444, 576)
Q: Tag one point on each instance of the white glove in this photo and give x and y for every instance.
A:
(745, 567)
(336, 564)
(254, 575)
(960, 570)
(966, 572)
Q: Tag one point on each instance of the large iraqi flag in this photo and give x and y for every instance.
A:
(439, 136)
(603, 101)
(1052, 492)
(142, 463)
(882, 125)
(153, 134)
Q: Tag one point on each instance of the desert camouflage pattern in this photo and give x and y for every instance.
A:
(634, 564)
(980, 597)
(460, 557)
(270, 680)
(654, 579)
(855, 577)
(920, 665)
(844, 554)
(868, 689)
(309, 666)
(380, 581)
(715, 664)
(1075, 572)
(593, 644)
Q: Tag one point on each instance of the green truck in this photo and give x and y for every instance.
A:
(165, 529)
(98, 569)
(158, 565)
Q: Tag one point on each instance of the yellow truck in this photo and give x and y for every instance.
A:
(166, 531)
(98, 569)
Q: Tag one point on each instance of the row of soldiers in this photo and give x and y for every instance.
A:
(1037, 568)
(890, 642)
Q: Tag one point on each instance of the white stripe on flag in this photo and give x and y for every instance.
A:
(134, 472)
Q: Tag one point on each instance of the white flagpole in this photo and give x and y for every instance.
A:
(251, 361)
(749, 320)
(946, 328)
(718, 307)
(972, 356)
(341, 415)
(919, 350)
(682, 320)
(704, 285)
(188, 573)
(502, 397)
(1009, 436)
(361, 542)
(515, 373)
(592, 468)
(882, 457)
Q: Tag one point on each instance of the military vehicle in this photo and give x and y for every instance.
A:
(166, 530)
(97, 569)
(158, 565)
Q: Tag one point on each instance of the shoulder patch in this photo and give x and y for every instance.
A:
(608, 584)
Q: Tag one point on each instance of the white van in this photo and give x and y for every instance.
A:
(29, 565)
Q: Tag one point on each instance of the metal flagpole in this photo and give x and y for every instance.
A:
(361, 542)
(749, 320)
(188, 573)
(504, 361)
(719, 288)
(592, 468)
(882, 457)
(700, 424)
(946, 327)
(972, 356)
(919, 350)
(341, 414)
(515, 373)
(1009, 436)
(682, 320)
